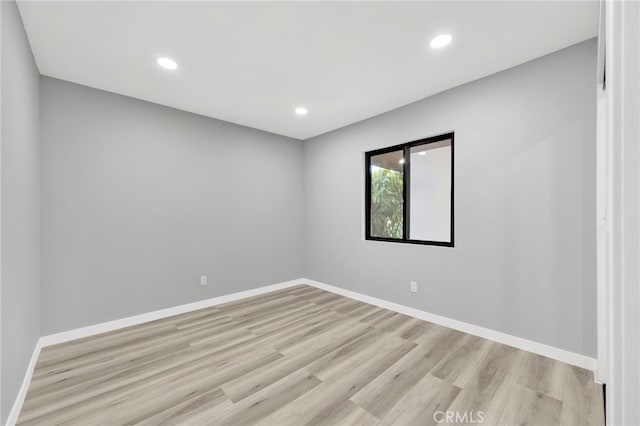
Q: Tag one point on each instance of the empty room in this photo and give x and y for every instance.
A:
(320, 213)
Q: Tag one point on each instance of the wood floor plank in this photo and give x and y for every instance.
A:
(303, 289)
(416, 329)
(258, 406)
(253, 382)
(312, 406)
(354, 354)
(542, 374)
(379, 321)
(362, 311)
(61, 356)
(460, 363)
(300, 356)
(326, 336)
(488, 388)
(310, 333)
(325, 299)
(420, 403)
(85, 375)
(242, 312)
(180, 362)
(530, 408)
(293, 316)
(346, 306)
(345, 414)
(394, 323)
(582, 396)
(124, 411)
(381, 394)
(259, 316)
(74, 407)
(184, 411)
(375, 314)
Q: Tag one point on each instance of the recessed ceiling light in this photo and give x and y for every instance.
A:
(422, 153)
(167, 63)
(301, 111)
(440, 41)
(401, 161)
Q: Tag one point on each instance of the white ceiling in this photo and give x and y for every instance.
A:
(252, 63)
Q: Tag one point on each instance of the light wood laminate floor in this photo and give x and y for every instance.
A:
(302, 356)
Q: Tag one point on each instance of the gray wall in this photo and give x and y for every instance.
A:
(139, 200)
(20, 193)
(524, 260)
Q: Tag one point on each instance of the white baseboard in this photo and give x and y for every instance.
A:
(496, 336)
(562, 355)
(22, 393)
(65, 336)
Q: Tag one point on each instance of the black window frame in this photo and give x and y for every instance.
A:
(406, 167)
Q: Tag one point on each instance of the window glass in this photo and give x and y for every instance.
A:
(387, 195)
(430, 192)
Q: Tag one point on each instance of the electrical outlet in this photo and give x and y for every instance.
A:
(413, 286)
(203, 280)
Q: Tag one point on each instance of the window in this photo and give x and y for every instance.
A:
(409, 192)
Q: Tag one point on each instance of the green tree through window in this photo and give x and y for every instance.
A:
(386, 202)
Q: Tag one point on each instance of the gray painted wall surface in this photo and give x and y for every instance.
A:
(139, 200)
(524, 260)
(20, 205)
